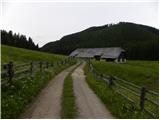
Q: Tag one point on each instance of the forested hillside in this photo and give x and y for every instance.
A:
(139, 41)
(17, 40)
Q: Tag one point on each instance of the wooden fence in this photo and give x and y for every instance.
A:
(10, 71)
(148, 100)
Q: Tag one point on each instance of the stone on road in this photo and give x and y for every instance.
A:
(89, 105)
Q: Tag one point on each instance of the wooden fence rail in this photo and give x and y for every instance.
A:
(10, 72)
(138, 91)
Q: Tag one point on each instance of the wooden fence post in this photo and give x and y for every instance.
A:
(32, 68)
(10, 71)
(40, 65)
(89, 62)
(94, 73)
(52, 64)
(142, 98)
(46, 64)
(101, 76)
(91, 66)
(110, 80)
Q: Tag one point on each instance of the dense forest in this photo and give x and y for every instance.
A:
(17, 40)
(140, 41)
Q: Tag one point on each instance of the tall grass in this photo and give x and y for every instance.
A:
(142, 73)
(20, 55)
(69, 108)
(14, 98)
(117, 105)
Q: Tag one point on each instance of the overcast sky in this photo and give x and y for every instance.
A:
(49, 21)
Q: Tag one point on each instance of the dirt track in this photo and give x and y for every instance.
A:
(89, 105)
(47, 105)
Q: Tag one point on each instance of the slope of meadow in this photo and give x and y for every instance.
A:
(19, 93)
(126, 104)
(20, 55)
(142, 73)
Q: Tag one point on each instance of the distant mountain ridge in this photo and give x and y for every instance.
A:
(139, 41)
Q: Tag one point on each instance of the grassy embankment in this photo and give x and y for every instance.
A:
(119, 106)
(14, 98)
(141, 73)
(69, 108)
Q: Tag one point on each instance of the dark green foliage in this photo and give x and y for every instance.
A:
(139, 41)
(17, 40)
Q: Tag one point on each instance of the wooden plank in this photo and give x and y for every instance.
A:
(151, 113)
(153, 102)
(106, 80)
(20, 77)
(106, 76)
(22, 71)
(152, 92)
(138, 95)
(125, 96)
(129, 83)
(4, 64)
(4, 83)
(128, 86)
(22, 65)
(3, 72)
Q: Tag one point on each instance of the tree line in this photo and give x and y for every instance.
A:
(17, 40)
(141, 42)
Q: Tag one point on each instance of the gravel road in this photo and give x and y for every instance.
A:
(89, 105)
(47, 104)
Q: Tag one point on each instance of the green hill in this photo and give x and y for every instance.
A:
(20, 92)
(20, 55)
(139, 41)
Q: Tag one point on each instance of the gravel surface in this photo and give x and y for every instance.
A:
(89, 105)
(47, 104)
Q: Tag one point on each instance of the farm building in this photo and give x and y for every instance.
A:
(116, 54)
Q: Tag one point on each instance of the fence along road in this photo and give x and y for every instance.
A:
(47, 104)
(12, 71)
(146, 98)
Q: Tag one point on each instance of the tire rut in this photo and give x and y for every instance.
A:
(47, 104)
(89, 105)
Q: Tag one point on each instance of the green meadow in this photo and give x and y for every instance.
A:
(15, 97)
(141, 73)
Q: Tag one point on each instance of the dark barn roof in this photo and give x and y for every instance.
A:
(110, 52)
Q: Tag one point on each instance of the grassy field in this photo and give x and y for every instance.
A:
(69, 108)
(141, 73)
(21, 92)
(119, 106)
(20, 55)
